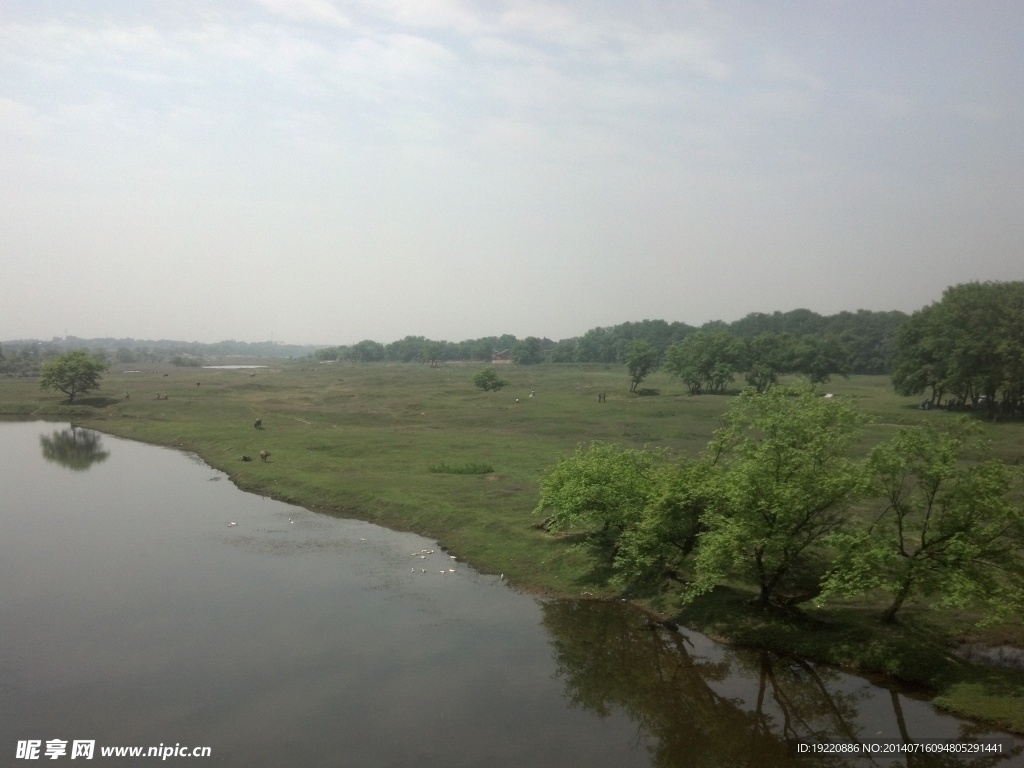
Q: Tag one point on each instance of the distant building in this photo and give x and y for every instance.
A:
(505, 356)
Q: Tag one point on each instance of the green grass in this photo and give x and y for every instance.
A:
(366, 440)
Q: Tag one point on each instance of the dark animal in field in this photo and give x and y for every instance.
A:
(127, 396)
(246, 458)
(197, 383)
(602, 397)
(258, 424)
(167, 374)
(264, 454)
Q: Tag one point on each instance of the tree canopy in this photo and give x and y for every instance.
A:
(706, 361)
(641, 359)
(73, 373)
(947, 529)
(488, 380)
(970, 346)
(784, 483)
(777, 502)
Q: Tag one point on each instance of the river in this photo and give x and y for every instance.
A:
(147, 602)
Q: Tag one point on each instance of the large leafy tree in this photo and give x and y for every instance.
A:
(706, 361)
(784, 484)
(968, 345)
(655, 548)
(529, 351)
(641, 359)
(366, 351)
(73, 373)
(768, 355)
(641, 510)
(600, 487)
(819, 357)
(947, 529)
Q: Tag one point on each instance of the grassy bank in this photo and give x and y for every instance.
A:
(407, 446)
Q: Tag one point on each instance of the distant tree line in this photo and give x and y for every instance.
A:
(797, 341)
(26, 357)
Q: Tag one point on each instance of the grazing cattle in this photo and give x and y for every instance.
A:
(246, 458)
(258, 424)
(264, 454)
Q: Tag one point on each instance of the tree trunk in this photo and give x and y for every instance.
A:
(889, 614)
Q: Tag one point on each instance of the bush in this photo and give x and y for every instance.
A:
(488, 380)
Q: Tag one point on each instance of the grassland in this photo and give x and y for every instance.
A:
(366, 441)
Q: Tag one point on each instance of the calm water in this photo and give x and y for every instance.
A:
(132, 613)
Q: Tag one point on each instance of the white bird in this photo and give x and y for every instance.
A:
(502, 577)
(231, 524)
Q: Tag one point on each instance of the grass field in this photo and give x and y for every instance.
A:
(405, 445)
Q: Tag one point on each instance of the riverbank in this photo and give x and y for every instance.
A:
(362, 441)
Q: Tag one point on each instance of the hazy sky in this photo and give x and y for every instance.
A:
(323, 171)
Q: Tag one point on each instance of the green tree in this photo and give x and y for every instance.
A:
(641, 359)
(601, 486)
(366, 351)
(967, 345)
(705, 361)
(434, 352)
(768, 356)
(947, 529)
(819, 357)
(488, 380)
(784, 484)
(73, 373)
(654, 549)
(565, 351)
(528, 351)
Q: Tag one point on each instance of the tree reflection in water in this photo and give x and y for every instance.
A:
(612, 657)
(74, 448)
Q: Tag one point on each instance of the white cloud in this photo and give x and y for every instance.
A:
(459, 17)
(691, 50)
(313, 11)
(20, 119)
